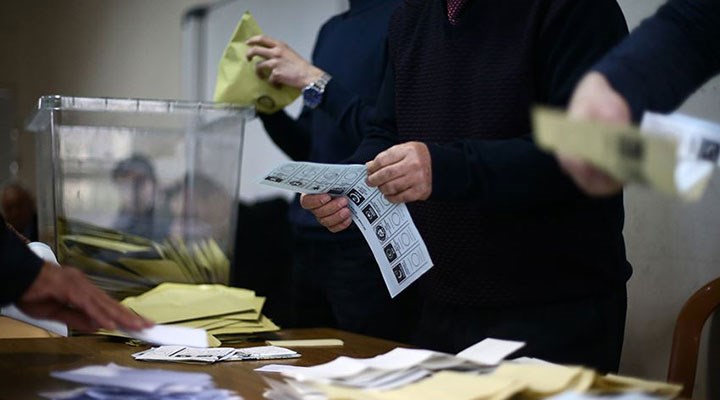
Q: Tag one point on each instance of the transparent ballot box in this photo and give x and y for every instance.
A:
(139, 192)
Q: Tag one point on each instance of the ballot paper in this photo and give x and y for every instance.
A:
(112, 381)
(388, 228)
(213, 355)
(673, 154)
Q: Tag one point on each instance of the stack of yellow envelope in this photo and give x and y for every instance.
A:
(222, 311)
(125, 265)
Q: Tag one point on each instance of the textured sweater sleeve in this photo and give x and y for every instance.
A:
(381, 130)
(514, 175)
(667, 57)
(18, 266)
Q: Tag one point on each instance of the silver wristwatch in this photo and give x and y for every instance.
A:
(313, 93)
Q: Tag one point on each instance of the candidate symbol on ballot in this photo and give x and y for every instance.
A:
(390, 252)
(399, 273)
(380, 233)
(370, 214)
(355, 196)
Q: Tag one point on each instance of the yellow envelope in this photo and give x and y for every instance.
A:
(541, 380)
(174, 302)
(237, 80)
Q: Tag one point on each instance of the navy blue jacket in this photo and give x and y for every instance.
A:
(667, 57)
(352, 48)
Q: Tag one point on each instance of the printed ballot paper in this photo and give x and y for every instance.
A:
(388, 228)
(211, 355)
(675, 154)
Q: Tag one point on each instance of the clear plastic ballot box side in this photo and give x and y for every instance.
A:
(138, 192)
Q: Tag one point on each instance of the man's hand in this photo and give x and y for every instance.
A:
(65, 294)
(282, 65)
(332, 213)
(594, 99)
(403, 173)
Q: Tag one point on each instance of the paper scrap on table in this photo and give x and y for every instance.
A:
(212, 355)
(172, 335)
(388, 228)
(674, 154)
(490, 351)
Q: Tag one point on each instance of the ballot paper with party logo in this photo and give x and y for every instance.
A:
(388, 228)
(675, 154)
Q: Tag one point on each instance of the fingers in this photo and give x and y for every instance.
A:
(98, 306)
(333, 214)
(262, 40)
(403, 173)
(590, 179)
(65, 294)
(264, 52)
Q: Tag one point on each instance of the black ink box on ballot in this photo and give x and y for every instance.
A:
(139, 192)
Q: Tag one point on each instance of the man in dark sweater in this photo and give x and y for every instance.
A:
(336, 281)
(663, 62)
(519, 252)
(43, 290)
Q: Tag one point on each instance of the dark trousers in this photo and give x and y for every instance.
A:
(584, 331)
(337, 283)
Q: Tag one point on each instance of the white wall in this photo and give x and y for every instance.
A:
(673, 247)
(109, 48)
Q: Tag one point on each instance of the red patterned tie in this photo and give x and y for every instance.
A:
(453, 9)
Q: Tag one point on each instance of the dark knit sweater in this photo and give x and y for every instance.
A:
(504, 226)
(668, 57)
(19, 266)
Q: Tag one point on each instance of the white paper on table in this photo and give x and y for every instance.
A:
(388, 228)
(143, 380)
(171, 335)
(490, 351)
(403, 358)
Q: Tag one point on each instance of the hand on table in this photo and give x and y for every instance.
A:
(65, 294)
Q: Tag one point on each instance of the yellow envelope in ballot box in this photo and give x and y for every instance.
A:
(237, 80)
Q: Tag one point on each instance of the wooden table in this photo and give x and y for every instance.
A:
(25, 364)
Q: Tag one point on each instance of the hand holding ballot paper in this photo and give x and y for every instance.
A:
(387, 227)
(674, 154)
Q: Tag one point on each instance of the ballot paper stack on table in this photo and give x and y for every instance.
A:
(117, 382)
(675, 154)
(224, 312)
(477, 373)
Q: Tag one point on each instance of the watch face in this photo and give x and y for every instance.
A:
(312, 97)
